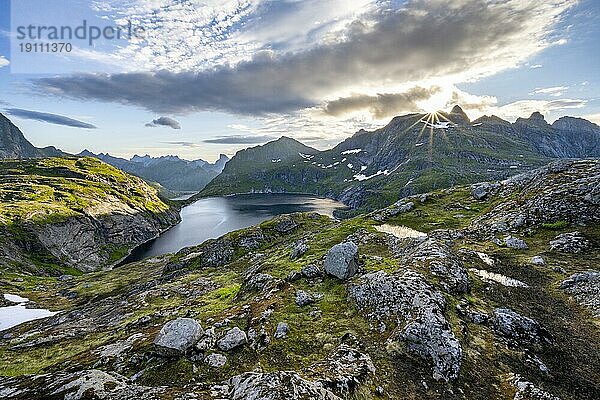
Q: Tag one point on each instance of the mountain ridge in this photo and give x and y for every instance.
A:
(13, 143)
(413, 153)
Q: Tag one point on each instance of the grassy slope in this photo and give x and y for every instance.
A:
(573, 360)
(52, 190)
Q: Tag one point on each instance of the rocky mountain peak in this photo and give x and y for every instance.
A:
(573, 124)
(535, 119)
(459, 115)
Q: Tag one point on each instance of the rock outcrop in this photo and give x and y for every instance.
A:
(281, 385)
(418, 309)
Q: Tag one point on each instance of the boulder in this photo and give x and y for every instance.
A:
(538, 260)
(517, 328)
(304, 298)
(311, 271)
(341, 260)
(282, 330)
(418, 310)
(515, 243)
(585, 287)
(282, 385)
(299, 249)
(571, 242)
(343, 370)
(177, 336)
(215, 360)
(208, 340)
(482, 190)
(234, 338)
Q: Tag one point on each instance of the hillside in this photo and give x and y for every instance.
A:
(73, 213)
(413, 154)
(13, 143)
(171, 172)
(475, 292)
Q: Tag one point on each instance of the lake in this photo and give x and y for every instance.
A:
(211, 218)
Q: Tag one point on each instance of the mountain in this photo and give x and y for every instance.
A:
(477, 292)
(67, 214)
(171, 172)
(413, 154)
(13, 143)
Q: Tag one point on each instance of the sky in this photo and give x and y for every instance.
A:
(197, 78)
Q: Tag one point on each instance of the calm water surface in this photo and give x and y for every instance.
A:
(213, 217)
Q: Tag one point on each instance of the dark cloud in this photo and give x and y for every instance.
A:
(164, 121)
(49, 118)
(240, 139)
(382, 105)
(420, 40)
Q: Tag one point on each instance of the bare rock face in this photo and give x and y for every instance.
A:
(570, 242)
(481, 191)
(585, 287)
(417, 308)
(88, 384)
(518, 328)
(560, 191)
(341, 260)
(435, 255)
(528, 391)
(282, 385)
(177, 336)
(343, 370)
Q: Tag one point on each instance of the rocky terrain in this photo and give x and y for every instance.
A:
(415, 153)
(74, 215)
(485, 291)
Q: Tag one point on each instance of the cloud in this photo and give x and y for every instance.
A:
(240, 139)
(595, 118)
(536, 66)
(184, 144)
(556, 91)
(422, 40)
(3, 62)
(381, 105)
(164, 121)
(49, 118)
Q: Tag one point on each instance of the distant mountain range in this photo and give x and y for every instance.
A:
(171, 172)
(415, 153)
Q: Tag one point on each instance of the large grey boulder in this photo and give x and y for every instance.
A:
(518, 328)
(177, 336)
(585, 287)
(341, 260)
(418, 310)
(282, 385)
(235, 337)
